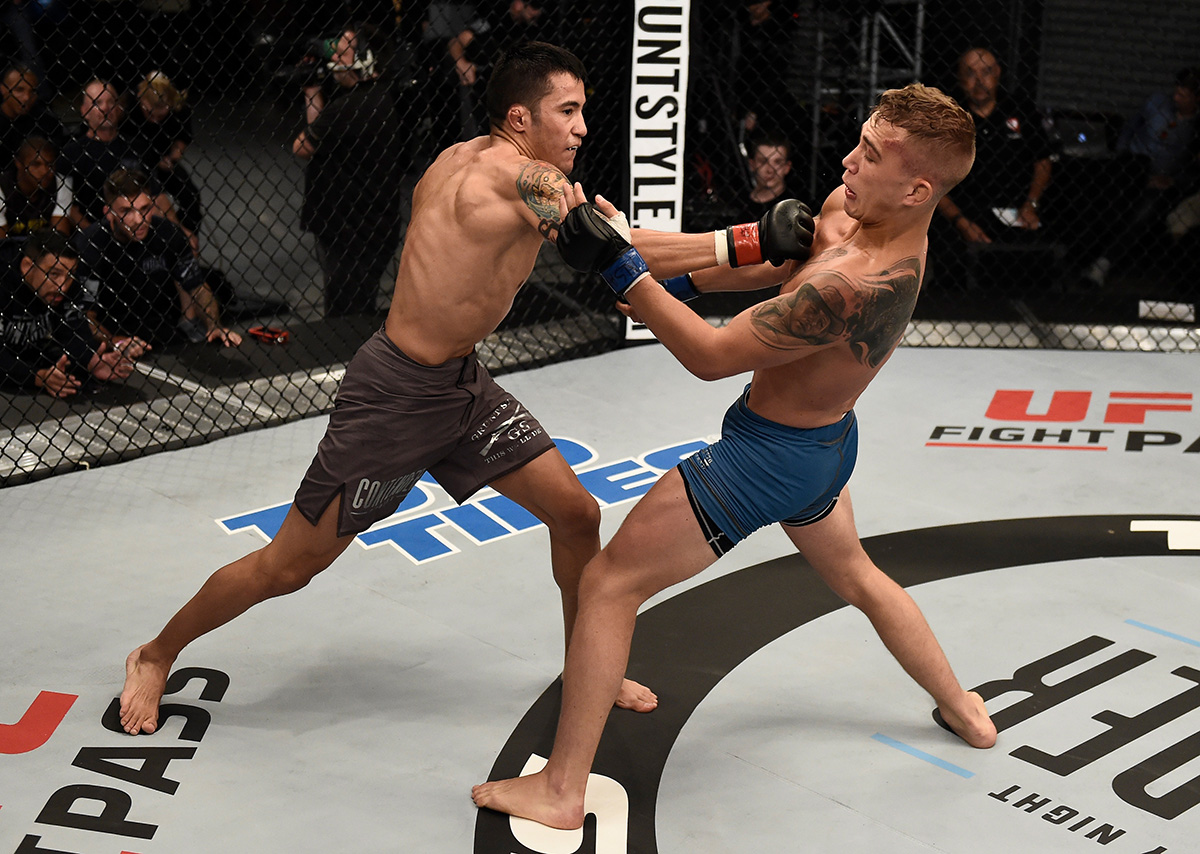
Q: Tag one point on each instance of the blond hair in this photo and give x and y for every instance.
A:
(156, 88)
(944, 130)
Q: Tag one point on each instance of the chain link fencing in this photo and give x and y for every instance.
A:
(201, 108)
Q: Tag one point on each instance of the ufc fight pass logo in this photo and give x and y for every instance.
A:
(1077, 421)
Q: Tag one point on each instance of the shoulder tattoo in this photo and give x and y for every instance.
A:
(541, 187)
(869, 313)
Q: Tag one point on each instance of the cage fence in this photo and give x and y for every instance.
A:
(156, 185)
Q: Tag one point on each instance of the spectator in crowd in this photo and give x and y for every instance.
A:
(1162, 145)
(32, 195)
(159, 130)
(22, 42)
(90, 158)
(765, 38)
(46, 338)
(354, 146)
(770, 162)
(476, 49)
(22, 112)
(1164, 133)
(430, 27)
(999, 201)
(145, 276)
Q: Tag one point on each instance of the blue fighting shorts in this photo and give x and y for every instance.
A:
(760, 472)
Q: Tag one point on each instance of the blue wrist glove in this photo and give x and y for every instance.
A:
(590, 244)
(681, 287)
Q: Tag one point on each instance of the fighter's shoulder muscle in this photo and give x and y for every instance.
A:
(540, 187)
(528, 189)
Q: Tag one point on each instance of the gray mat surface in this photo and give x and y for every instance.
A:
(359, 711)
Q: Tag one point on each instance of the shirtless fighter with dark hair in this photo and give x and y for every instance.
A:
(415, 398)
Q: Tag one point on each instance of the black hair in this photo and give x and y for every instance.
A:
(522, 76)
(20, 68)
(48, 241)
(36, 145)
(771, 139)
(125, 184)
(1188, 78)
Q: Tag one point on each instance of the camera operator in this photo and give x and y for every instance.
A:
(354, 146)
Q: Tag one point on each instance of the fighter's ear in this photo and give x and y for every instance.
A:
(519, 118)
(919, 193)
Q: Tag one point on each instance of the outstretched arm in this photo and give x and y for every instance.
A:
(773, 332)
(673, 254)
(722, 279)
(782, 235)
(828, 309)
(867, 314)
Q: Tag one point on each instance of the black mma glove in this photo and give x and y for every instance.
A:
(785, 232)
(589, 243)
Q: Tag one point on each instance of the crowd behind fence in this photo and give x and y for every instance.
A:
(200, 218)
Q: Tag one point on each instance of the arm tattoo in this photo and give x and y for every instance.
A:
(869, 314)
(540, 187)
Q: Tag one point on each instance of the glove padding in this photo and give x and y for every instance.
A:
(589, 243)
(784, 233)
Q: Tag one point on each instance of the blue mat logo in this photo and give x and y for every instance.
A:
(428, 525)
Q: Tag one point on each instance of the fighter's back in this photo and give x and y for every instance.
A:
(471, 243)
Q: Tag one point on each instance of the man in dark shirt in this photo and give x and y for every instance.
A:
(90, 158)
(477, 48)
(33, 195)
(354, 146)
(146, 278)
(770, 161)
(999, 201)
(23, 114)
(46, 338)
(159, 130)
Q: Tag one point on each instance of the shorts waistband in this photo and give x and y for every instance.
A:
(456, 367)
(825, 433)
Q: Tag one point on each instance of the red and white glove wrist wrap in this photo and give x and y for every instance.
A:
(741, 245)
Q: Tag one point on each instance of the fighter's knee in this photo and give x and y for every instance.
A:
(868, 591)
(280, 577)
(852, 593)
(609, 579)
(576, 517)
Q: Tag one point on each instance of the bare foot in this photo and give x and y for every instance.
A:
(636, 697)
(533, 798)
(971, 723)
(145, 681)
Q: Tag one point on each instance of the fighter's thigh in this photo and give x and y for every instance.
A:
(833, 548)
(660, 543)
(548, 488)
(301, 549)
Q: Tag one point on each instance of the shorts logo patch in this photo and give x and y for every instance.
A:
(370, 494)
(504, 425)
